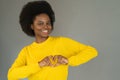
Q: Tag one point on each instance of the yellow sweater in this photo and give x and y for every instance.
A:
(26, 64)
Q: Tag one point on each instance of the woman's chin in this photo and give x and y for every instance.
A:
(45, 36)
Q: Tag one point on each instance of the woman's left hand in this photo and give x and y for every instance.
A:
(61, 60)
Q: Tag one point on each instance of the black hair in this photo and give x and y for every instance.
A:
(30, 11)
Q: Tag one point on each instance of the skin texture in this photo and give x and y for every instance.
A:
(42, 28)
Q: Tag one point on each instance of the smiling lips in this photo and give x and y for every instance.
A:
(45, 31)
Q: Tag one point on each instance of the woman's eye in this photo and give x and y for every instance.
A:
(43, 24)
(49, 24)
(40, 24)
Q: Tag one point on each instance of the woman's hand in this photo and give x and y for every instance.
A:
(45, 62)
(53, 61)
(61, 60)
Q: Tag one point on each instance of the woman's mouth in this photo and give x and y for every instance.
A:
(45, 31)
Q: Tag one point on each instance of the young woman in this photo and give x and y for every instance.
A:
(48, 57)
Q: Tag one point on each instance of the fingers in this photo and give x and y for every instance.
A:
(62, 59)
(45, 62)
(53, 61)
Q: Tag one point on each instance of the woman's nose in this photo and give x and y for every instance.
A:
(45, 26)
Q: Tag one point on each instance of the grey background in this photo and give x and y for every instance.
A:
(93, 22)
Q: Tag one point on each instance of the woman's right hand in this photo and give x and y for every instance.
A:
(45, 62)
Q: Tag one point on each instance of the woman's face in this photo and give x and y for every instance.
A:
(42, 26)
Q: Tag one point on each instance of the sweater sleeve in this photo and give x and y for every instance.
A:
(19, 69)
(83, 56)
(81, 53)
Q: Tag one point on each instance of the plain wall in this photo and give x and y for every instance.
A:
(92, 22)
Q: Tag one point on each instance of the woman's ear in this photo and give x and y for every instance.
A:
(31, 26)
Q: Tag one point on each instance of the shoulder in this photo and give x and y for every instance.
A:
(60, 38)
(27, 46)
(64, 39)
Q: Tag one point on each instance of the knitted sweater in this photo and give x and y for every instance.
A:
(26, 64)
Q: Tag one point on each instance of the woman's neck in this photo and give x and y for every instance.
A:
(40, 39)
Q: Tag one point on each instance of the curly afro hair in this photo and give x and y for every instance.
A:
(30, 11)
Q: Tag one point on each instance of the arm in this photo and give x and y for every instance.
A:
(83, 56)
(79, 53)
(19, 69)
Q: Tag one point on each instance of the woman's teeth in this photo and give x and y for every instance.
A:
(45, 31)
